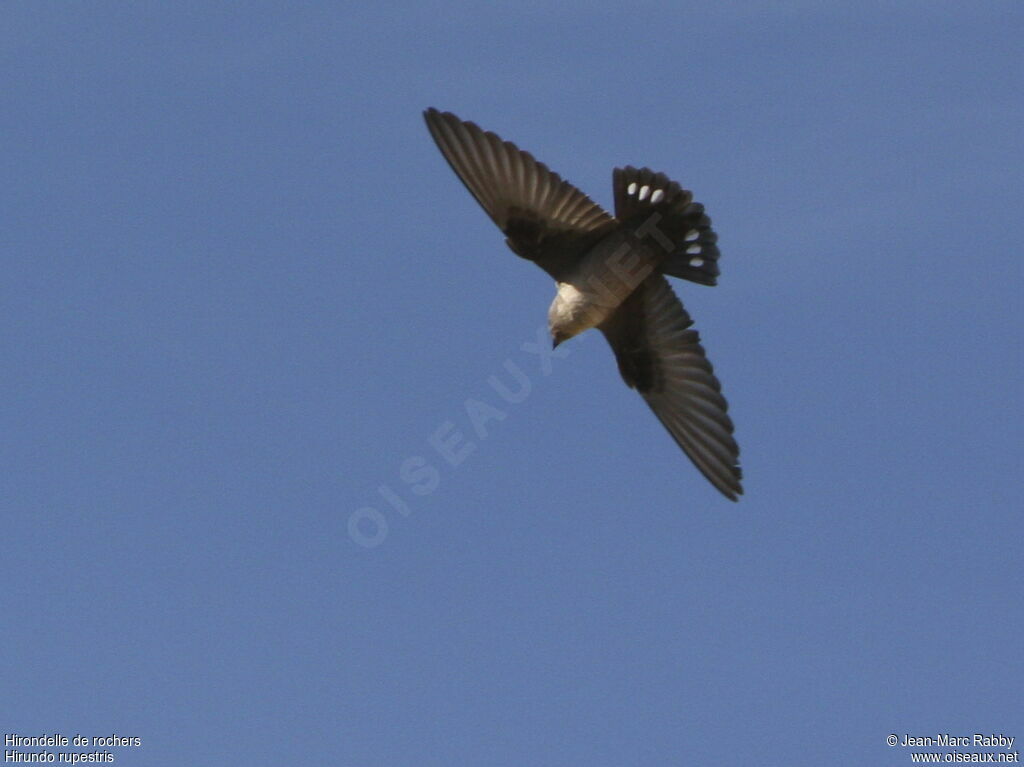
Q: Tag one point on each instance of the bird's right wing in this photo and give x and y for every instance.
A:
(541, 215)
(661, 357)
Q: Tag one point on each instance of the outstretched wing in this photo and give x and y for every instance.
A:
(661, 357)
(544, 218)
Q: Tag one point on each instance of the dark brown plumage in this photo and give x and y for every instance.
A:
(658, 229)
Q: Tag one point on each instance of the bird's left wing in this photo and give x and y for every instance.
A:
(660, 356)
(542, 215)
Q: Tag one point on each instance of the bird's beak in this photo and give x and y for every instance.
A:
(554, 343)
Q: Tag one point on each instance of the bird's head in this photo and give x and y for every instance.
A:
(569, 315)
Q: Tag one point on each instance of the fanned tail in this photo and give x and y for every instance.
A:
(640, 193)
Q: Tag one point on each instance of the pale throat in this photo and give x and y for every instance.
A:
(575, 310)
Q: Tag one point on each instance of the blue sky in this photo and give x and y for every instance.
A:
(242, 290)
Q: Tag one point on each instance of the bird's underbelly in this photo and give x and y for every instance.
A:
(603, 280)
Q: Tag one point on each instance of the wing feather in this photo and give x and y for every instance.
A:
(544, 217)
(660, 355)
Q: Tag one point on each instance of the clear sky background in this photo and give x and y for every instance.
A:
(241, 288)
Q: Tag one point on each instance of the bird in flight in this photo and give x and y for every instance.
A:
(610, 274)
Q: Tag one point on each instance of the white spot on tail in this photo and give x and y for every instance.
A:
(692, 235)
(693, 249)
(656, 196)
(643, 192)
(631, 189)
(696, 263)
